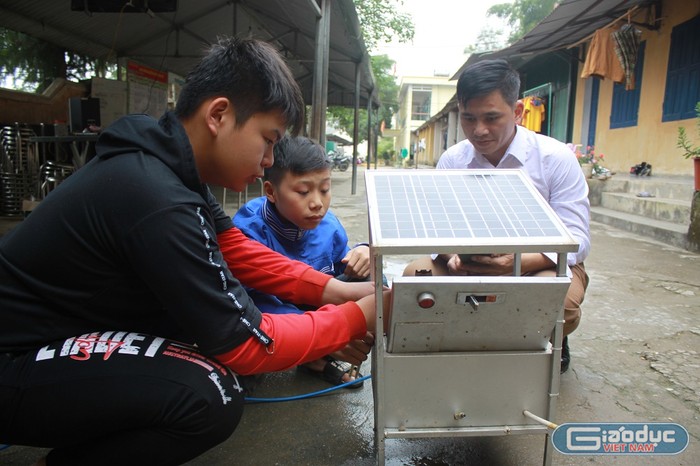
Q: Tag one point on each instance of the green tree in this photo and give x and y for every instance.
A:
(34, 63)
(381, 22)
(385, 149)
(522, 15)
(343, 117)
(383, 68)
(489, 39)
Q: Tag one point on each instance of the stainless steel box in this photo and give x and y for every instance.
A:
(465, 356)
(464, 389)
(474, 313)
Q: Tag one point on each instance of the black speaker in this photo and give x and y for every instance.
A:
(83, 112)
(122, 6)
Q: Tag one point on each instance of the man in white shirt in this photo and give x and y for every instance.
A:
(489, 110)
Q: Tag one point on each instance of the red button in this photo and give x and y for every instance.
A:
(426, 300)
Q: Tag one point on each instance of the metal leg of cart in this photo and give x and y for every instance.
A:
(495, 360)
(493, 343)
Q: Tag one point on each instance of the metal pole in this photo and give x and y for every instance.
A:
(319, 100)
(369, 129)
(355, 128)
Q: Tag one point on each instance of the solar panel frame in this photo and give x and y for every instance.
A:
(472, 211)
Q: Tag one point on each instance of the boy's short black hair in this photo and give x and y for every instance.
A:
(297, 155)
(251, 74)
(486, 76)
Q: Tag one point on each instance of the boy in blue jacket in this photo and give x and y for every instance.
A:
(293, 218)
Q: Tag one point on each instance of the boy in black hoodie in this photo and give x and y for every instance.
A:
(123, 327)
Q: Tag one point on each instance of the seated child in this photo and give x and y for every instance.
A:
(293, 219)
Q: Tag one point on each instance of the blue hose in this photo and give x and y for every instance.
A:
(306, 395)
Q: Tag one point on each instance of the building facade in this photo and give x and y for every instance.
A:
(641, 124)
(628, 126)
(420, 98)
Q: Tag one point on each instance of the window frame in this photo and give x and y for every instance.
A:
(682, 89)
(415, 106)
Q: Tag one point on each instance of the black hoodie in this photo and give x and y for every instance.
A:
(128, 243)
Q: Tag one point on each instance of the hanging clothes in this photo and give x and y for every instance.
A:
(626, 44)
(533, 113)
(601, 59)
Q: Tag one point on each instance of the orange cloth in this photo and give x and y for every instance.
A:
(602, 60)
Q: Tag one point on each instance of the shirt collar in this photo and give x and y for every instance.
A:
(514, 157)
(279, 225)
(518, 146)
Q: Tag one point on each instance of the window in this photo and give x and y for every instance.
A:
(683, 74)
(625, 104)
(421, 102)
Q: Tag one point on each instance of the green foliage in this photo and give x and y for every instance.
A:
(343, 117)
(522, 15)
(689, 150)
(388, 89)
(34, 63)
(489, 39)
(382, 21)
(385, 148)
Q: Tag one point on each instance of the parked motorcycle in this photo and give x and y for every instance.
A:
(339, 161)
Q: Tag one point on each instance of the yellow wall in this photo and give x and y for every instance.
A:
(442, 92)
(442, 97)
(425, 157)
(652, 140)
(578, 106)
(404, 119)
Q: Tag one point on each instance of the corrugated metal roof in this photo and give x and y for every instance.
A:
(570, 23)
(175, 41)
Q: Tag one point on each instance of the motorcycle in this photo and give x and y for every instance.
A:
(339, 161)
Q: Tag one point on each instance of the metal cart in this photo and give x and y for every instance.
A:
(465, 356)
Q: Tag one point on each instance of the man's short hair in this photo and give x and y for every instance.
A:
(486, 76)
(251, 74)
(296, 155)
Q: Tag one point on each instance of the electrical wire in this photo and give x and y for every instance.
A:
(116, 31)
(306, 395)
(160, 68)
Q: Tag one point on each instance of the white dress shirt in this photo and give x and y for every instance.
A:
(553, 169)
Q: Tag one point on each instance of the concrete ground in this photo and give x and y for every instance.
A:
(634, 359)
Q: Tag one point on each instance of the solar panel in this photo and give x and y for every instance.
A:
(446, 208)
